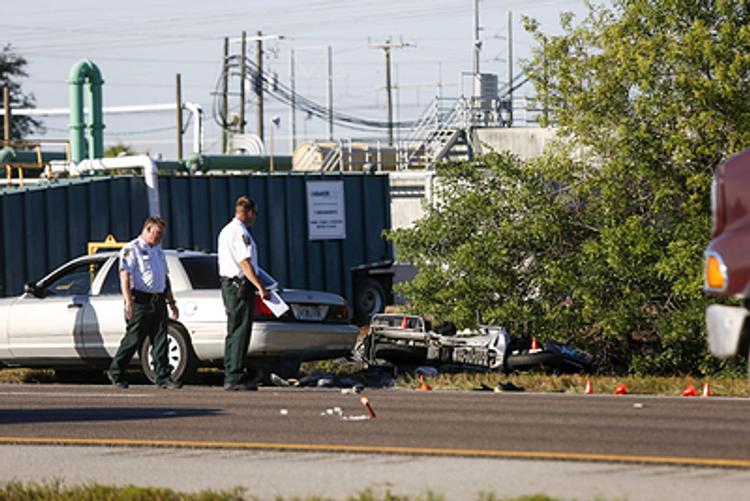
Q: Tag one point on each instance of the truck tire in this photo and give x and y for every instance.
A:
(180, 356)
(369, 299)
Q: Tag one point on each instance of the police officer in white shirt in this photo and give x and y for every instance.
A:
(144, 282)
(238, 270)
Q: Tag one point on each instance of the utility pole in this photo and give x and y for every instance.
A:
(292, 105)
(225, 98)
(6, 115)
(510, 68)
(387, 46)
(259, 83)
(476, 43)
(440, 80)
(178, 87)
(330, 93)
(243, 75)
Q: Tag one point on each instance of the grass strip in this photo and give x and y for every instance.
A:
(59, 491)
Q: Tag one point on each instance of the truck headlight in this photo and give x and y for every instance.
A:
(715, 272)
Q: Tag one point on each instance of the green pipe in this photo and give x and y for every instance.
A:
(203, 163)
(170, 165)
(82, 72)
(11, 156)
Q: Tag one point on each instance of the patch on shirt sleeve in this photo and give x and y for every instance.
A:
(246, 239)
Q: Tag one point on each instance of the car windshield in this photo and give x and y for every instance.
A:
(203, 272)
(73, 280)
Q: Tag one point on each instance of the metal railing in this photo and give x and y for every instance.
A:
(434, 130)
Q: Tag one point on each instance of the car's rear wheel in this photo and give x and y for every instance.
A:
(180, 356)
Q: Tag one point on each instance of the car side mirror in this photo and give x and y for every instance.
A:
(31, 288)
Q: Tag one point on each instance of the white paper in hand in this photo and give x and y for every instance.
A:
(276, 304)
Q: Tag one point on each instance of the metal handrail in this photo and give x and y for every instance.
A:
(437, 120)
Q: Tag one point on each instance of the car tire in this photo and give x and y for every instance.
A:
(533, 361)
(180, 356)
(369, 299)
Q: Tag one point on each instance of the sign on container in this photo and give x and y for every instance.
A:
(326, 213)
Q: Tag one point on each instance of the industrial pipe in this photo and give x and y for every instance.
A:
(150, 174)
(197, 112)
(82, 72)
(28, 157)
(238, 162)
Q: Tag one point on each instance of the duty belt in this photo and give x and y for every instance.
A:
(233, 280)
(146, 297)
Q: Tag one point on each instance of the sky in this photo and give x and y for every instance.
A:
(141, 45)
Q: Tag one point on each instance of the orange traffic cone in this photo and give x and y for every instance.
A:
(534, 346)
(706, 390)
(366, 402)
(404, 323)
(422, 385)
(689, 391)
(589, 387)
(621, 390)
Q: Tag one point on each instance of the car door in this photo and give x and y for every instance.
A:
(102, 320)
(44, 327)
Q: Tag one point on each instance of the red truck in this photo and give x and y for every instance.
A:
(727, 258)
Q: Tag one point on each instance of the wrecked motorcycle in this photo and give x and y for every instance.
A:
(410, 340)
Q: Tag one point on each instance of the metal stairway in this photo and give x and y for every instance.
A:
(440, 128)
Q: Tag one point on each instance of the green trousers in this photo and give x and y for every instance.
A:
(239, 309)
(148, 320)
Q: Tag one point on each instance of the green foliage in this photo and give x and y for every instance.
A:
(649, 96)
(119, 149)
(12, 69)
(58, 491)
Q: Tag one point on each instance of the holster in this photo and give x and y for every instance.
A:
(245, 289)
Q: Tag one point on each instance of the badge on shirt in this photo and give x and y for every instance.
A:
(246, 239)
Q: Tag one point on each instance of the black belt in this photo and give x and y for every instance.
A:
(146, 297)
(234, 280)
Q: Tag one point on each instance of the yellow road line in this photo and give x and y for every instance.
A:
(372, 449)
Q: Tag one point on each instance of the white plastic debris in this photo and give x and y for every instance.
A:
(638, 405)
(284, 412)
(361, 417)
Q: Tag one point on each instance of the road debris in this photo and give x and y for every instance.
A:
(621, 389)
(366, 402)
(689, 391)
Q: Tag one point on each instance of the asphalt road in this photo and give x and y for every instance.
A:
(670, 430)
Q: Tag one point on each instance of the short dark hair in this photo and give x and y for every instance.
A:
(246, 203)
(151, 220)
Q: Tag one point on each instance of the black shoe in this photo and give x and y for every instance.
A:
(244, 386)
(170, 384)
(119, 383)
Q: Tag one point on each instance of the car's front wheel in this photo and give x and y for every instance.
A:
(180, 356)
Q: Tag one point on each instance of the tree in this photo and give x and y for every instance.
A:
(649, 96)
(119, 149)
(12, 69)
